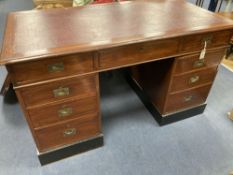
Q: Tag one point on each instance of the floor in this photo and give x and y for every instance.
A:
(134, 143)
(228, 63)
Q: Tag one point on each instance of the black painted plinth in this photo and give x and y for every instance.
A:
(163, 119)
(80, 147)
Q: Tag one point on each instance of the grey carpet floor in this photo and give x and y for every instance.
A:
(134, 143)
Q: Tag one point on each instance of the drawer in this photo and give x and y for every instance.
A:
(186, 99)
(51, 114)
(35, 71)
(80, 87)
(132, 54)
(67, 133)
(214, 39)
(192, 62)
(193, 79)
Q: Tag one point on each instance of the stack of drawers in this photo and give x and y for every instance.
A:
(192, 79)
(192, 75)
(60, 102)
(182, 82)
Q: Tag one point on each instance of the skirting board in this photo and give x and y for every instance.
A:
(80, 147)
(164, 119)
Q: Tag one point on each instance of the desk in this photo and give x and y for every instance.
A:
(54, 58)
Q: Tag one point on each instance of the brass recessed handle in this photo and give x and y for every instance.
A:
(61, 91)
(194, 79)
(142, 49)
(57, 67)
(69, 132)
(64, 112)
(199, 63)
(188, 98)
(207, 39)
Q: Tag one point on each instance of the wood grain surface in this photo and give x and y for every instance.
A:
(186, 99)
(38, 95)
(51, 137)
(49, 115)
(193, 79)
(189, 63)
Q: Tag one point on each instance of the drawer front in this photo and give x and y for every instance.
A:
(74, 87)
(133, 54)
(192, 62)
(215, 39)
(190, 80)
(51, 114)
(187, 99)
(24, 73)
(67, 133)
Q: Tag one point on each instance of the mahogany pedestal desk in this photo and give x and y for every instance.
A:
(54, 57)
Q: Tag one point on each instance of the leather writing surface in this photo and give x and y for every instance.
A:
(39, 34)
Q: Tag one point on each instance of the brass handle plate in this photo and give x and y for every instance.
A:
(199, 63)
(188, 98)
(61, 91)
(69, 132)
(64, 112)
(57, 67)
(194, 79)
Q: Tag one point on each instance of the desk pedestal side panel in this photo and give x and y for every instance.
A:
(154, 78)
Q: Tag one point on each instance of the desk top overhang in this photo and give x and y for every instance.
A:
(32, 35)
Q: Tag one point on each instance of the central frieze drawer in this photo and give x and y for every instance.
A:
(142, 52)
(79, 87)
(45, 69)
(51, 114)
(67, 133)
